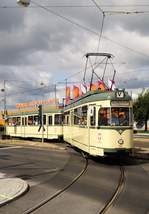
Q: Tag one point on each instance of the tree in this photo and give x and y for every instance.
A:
(141, 108)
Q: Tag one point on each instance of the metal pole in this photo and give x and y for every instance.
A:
(65, 90)
(4, 99)
(55, 93)
(42, 126)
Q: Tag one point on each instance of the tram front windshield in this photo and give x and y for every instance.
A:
(115, 116)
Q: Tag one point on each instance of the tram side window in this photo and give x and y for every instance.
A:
(30, 120)
(84, 115)
(44, 119)
(23, 121)
(80, 116)
(18, 121)
(93, 117)
(104, 117)
(67, 118)
(36, 120)
(77, 116)
(10, 122)
(58, 119)
(50, 120)
(14, 121)
(119, 116)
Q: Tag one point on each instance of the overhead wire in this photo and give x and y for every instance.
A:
(102, 24)
(118, 12)
(79, 6)
(88, 29)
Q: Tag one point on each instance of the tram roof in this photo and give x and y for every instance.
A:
(99, 96)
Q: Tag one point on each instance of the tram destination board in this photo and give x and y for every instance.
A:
(120, 103)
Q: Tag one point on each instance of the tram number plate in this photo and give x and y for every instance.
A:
(120, 94)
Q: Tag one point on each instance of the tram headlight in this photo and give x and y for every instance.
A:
(121, 141)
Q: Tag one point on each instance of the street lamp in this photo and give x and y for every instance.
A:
(24, 3)
(4, 99)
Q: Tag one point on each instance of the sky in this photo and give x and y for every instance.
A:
(44, 44)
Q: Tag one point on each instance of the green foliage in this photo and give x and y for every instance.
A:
(141, 108)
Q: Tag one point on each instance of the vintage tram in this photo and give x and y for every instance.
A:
(100, 123)
(25, 124)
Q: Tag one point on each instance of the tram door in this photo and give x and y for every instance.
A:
(50, 125)
(92, 121)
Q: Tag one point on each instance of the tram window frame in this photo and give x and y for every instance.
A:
(14, 121)
(84, 115)
(26, 121)
(80, 116)
(44, 119)
(35, 120)
(67, 118)
(11, 121)
(77, 116)
(59, 119)
(30, 120)
(50, 120)
(18, 121)
(131, 116)
(93, 117)
(23, 121)
(123, 116)
(105, 116)
(71, 118)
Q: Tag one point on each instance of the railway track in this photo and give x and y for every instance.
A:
(61, 191)
(115, 195)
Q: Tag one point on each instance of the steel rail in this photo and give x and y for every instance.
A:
(59, 192)
(116, 193)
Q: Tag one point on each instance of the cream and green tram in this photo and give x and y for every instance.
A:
(26, 125)
(100, 123)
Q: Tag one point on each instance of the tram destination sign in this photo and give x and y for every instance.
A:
(120, 103)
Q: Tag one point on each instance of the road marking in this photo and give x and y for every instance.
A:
(2, 175)
(11, 147)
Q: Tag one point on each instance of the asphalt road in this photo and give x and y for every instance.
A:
(49, 170)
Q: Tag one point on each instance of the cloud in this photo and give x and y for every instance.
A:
(37, 46)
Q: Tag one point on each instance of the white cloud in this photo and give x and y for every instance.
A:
(37, 46)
